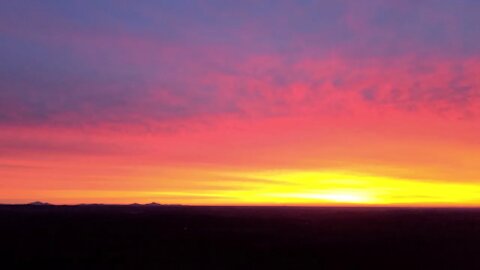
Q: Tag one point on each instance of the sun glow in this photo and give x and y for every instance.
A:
(348, 187)
(333, 187)
(337, 196)
(282, 187)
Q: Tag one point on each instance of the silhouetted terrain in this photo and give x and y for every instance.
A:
(181, 237)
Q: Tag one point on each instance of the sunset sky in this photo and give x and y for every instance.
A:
(240, 102)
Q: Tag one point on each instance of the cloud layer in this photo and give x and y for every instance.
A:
(105, 94)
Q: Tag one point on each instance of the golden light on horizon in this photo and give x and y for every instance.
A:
(336, 187)
(281, 187)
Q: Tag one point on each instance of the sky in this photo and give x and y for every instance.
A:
(328, 102)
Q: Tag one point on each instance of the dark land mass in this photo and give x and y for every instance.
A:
(187, 237)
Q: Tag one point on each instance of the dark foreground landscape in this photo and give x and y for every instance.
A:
(181, 237)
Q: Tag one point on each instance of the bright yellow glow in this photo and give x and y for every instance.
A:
(334, 196)
(334, 187)
(284, 187)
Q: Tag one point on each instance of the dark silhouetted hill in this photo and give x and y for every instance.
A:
(38, 203)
